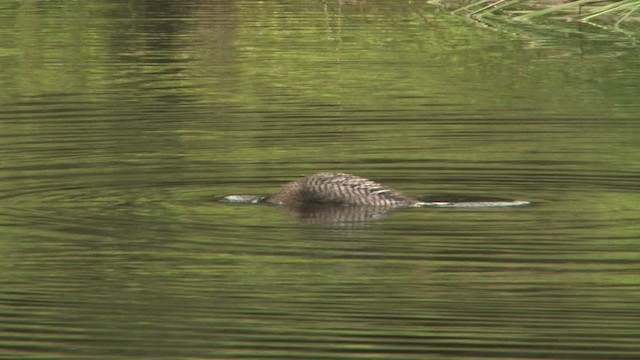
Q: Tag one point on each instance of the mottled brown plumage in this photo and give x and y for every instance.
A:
(338, 188)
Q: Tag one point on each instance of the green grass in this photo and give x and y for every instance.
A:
(595, 12)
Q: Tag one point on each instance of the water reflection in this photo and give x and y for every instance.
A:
(336, 214)
(120, 122)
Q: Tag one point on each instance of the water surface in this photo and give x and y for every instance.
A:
(121, 124)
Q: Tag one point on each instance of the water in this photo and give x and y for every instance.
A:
(122, 123)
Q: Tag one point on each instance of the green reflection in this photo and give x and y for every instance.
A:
(122, 121)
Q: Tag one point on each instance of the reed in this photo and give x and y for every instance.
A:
(587, 11)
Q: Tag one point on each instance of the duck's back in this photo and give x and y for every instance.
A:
(338, 188)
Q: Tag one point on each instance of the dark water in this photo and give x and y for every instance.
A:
(122, 122)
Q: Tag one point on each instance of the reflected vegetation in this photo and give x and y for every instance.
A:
(123, 122)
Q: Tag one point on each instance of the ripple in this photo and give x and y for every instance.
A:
(121, 129)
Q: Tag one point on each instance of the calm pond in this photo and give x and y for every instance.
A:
(122, 123)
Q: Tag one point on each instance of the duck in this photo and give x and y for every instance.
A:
(339, 189)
